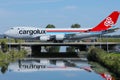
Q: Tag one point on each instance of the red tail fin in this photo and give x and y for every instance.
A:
(107, 22)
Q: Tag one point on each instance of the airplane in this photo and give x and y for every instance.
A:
(59, 35)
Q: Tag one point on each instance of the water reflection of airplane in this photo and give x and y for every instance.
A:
(107, 76)
(51, 65)
(42, 65)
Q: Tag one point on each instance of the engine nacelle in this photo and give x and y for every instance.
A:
(44, 38)
(59, 37)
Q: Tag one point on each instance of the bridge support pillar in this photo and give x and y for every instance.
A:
(36, 50)
(15, 47)
(82, 48)
(108, 47)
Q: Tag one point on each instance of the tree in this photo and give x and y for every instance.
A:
(52, 48)
(4, 68)
(50, 26)
(4, 46)
(75, 26)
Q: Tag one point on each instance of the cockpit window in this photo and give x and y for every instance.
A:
(11, 28)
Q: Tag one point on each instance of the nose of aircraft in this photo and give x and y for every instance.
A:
(7, 33)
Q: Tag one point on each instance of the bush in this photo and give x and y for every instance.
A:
(109, 60)
(94, 54)
(12, 55)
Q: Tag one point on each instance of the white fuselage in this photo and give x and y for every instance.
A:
(44, 34)
(49, 34)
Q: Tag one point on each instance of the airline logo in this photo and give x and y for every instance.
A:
(108, 22)
(32, 32)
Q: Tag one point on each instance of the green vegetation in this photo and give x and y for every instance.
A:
(7, 56)
(75, 26)
(12, 40)
(4, 47)
(50, 26)
(70, 49)
(109, 40)
(98, 68)
(4, 66)
(12, 55)
(109, 60)
(52, 48)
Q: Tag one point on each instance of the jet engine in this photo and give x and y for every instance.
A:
(59, 37)
(44, 38)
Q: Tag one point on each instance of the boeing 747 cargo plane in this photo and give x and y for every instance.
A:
(48, 34)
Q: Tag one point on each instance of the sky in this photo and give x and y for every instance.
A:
(61, 13)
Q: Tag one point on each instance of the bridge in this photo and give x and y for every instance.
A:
(63, 44)
(36, 47)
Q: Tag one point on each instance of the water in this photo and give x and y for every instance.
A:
(44, 69)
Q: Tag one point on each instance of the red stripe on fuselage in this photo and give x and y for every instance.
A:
(65, 30)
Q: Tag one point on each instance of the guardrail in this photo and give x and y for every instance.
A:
(64, 44)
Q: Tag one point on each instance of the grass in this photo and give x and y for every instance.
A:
(108, 40)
